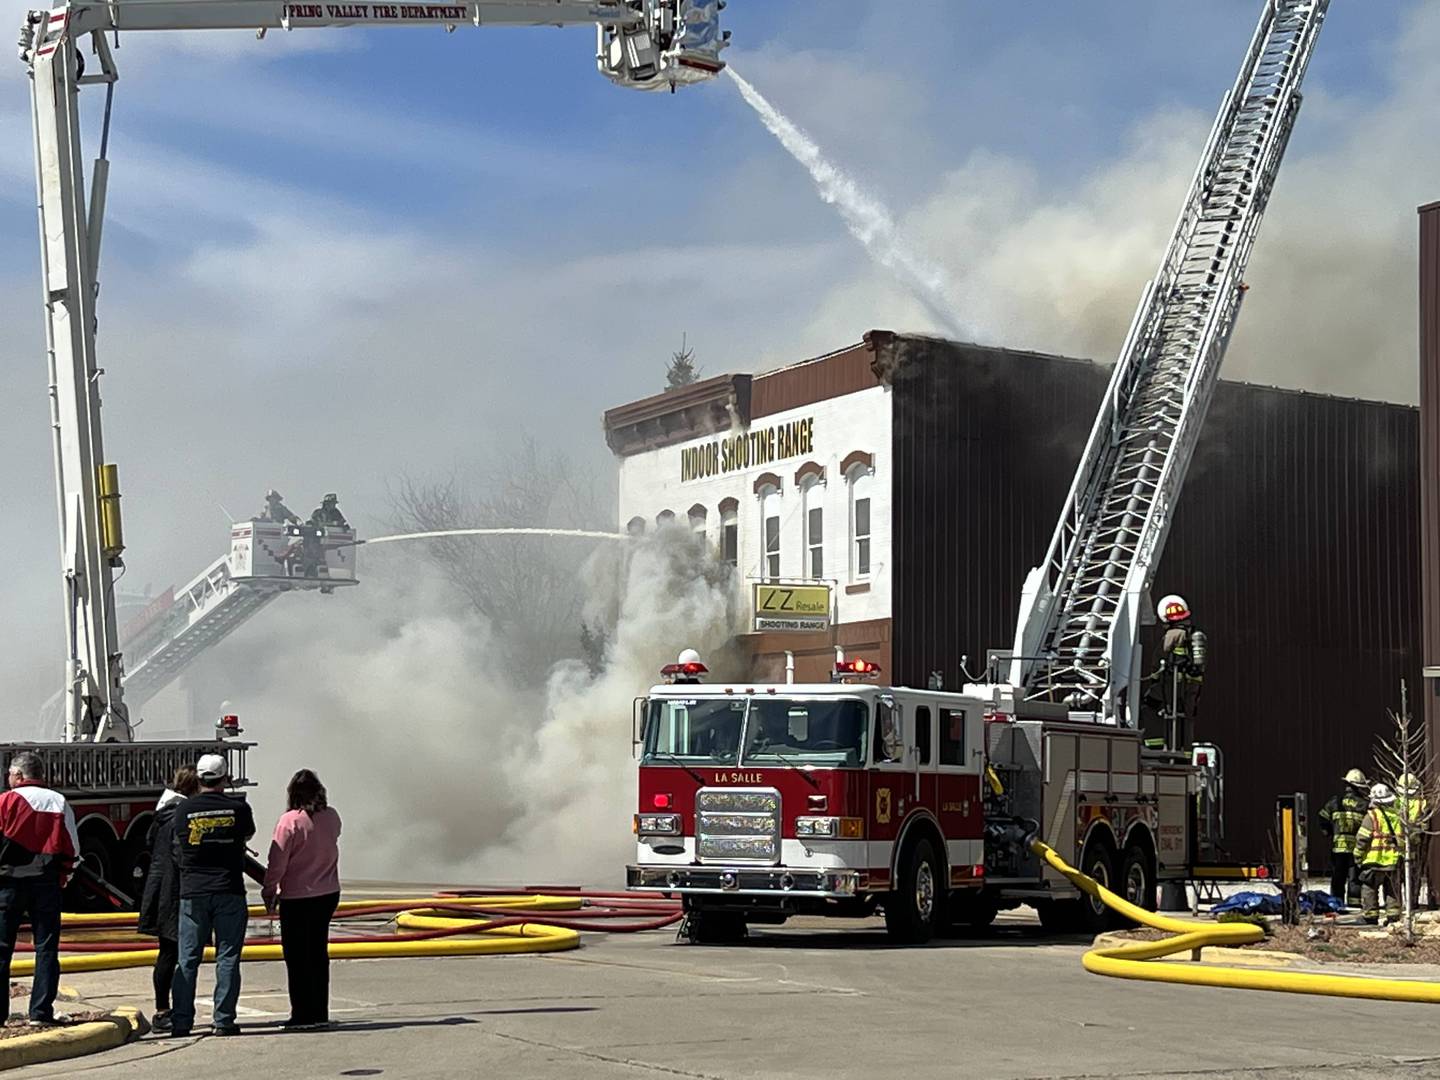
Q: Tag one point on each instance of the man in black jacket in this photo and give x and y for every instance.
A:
(211, 829)
(160, 904)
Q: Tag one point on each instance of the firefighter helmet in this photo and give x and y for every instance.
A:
(1172, 609)
(330, 497)
(1356, 777)
(1406, 784)
(1381, 795)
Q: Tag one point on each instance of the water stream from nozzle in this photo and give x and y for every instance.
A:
(581, 534)
(865, 216)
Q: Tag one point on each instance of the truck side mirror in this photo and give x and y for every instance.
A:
(638, 712)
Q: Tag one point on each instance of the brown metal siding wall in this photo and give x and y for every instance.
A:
(843, 372)
(1430, 464)
(1296, 541)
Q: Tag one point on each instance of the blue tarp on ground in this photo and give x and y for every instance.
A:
(1315, 902)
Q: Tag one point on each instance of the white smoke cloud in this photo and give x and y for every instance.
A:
(1058, 266)
(441, 767)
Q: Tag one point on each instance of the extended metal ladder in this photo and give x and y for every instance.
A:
(210, 608)
(1082, 607)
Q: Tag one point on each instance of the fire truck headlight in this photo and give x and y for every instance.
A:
(840, 828)
(657, 824)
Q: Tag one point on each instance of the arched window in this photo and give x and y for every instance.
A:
(770, 531)
(730, 531)
(697, 515)
(860, 475)
(812, 506)
(635, 526)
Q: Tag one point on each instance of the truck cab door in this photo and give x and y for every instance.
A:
(890, 782)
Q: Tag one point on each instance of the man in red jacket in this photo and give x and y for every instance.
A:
(38, 850)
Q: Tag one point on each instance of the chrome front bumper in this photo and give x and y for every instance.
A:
(775, 881)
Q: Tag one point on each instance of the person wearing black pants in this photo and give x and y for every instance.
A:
(302, 879)
(305, 939)
(160, 903)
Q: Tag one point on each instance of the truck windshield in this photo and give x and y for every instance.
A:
(824, 732)
(695, 729)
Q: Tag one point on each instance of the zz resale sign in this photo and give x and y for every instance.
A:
(792, 607)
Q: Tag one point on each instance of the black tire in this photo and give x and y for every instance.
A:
(916, 909)
(1098, 862)
(1136, 883)
(100, 855)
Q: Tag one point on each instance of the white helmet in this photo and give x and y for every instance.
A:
(1172, 608)
(1406, 784)
(1381, 795)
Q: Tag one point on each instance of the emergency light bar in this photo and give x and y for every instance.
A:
(692, 667)
(863, 668)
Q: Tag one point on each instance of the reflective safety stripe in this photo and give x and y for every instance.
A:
(1379, 836)
(1344, 813)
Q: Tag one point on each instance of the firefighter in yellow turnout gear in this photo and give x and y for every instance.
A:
(1414, 809)
(1340, 818)
(1377, 853)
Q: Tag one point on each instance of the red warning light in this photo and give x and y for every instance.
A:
(856, 667)
(693, 667)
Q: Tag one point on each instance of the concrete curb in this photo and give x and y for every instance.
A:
(1214, 954)
(58, 1044)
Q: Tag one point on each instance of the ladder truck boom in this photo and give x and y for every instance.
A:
(642, 44)
(1077, 635)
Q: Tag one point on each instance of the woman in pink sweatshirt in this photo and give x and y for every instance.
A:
(304, 876)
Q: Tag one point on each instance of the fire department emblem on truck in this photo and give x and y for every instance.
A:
(882, 806)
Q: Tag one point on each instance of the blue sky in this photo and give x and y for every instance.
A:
(338, 256)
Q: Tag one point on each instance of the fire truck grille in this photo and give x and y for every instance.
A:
(738, 826)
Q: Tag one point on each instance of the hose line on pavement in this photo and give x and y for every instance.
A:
(1132, 961)
(478, 923)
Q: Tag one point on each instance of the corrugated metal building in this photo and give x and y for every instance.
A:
(1296, 541)
(1430, 470)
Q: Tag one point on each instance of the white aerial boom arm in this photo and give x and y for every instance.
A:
(643, 44)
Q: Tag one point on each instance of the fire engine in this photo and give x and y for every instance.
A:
(112, 780)
(760, 802)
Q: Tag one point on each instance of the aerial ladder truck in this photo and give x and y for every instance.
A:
(111, 779)
(760, 802)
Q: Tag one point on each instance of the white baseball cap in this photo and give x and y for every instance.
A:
(212, 767)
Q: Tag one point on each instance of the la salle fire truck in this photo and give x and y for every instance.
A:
(761, 802)
(758, 802)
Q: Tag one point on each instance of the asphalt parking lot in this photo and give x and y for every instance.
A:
(803, 1001)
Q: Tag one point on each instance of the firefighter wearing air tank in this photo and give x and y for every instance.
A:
(1183, 654)
(1340, 818)
(1377, 853)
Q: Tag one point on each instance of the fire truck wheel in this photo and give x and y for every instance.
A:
(1137, 883)
(1098, 863)
(915, 909)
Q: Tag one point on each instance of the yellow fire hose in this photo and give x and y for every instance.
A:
(521, 938)
(1131, 961)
